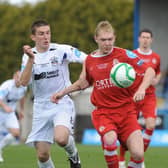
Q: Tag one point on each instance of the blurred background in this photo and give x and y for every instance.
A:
(73, 22)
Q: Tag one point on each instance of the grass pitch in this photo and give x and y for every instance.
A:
(22, 156)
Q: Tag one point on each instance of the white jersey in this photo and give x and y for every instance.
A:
(50, 71)
(10, 94)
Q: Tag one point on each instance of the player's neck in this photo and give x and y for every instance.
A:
(41, 50)
(145, 51)
(100, 53)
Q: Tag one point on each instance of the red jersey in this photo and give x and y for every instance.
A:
(105, 94)
(151, 59)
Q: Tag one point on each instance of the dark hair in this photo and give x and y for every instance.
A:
(146, 31)
(38, 23)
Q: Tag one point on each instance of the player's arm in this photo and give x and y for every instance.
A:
(21, 108)
(80, 84)
(27, 72)
(5, 107)
(156, 79)
(146, 82)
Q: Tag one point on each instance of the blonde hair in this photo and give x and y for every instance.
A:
(105, 26)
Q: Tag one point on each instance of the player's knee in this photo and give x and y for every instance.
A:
(109, 143)
(150, 126)
(150, 123)
(43, 156)
(61, 141)
(137, 155)
(15, 132)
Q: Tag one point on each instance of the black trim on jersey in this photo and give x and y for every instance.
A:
(34, 52)
(52, 49)
(11, 100)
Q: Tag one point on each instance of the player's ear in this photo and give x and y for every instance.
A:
(32, 37)
(95, 38)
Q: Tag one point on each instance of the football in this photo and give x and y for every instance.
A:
(122, 75)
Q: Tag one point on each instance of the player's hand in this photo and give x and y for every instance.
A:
(139, 95)
(21, 115)
(8, 109)
(56, 96)
(27, 50)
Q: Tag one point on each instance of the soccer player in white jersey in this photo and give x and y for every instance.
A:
(10, 93)
(46, 67)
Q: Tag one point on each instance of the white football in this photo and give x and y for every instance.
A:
(122, 75)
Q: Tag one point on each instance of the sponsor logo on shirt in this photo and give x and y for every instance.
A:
(154, 61)
(102, 66)
(104, 83)
(140, 62)
(101, 128)
(77, 52)
(146, 60)
(45, 75)
(54, 60)
(130, 54)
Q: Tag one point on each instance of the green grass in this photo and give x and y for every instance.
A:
(22, 156)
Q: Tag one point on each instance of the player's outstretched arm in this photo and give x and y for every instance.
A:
(146, 82)
(27, 72)
(156, 80)
(80, 84)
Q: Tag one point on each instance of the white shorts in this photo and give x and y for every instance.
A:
(47, 115)
(8, 120)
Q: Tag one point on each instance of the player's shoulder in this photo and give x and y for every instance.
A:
(7, 84)
(59, 46)
(155, 54)
(135, 51)
(125, 52)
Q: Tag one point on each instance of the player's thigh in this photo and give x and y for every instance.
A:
(135, 143)
(64, 119)
(61, 134)
(12, 122)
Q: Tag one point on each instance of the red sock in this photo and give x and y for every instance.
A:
(147, 138)
(112, 161)
(134, 163)
(110, 153)
(122, 153)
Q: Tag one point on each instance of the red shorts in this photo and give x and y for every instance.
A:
(147, 106)
(121, 120)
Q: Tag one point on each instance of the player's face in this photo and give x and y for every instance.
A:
(16, 78)
(145, 40)
(42, 38)
(105, 41)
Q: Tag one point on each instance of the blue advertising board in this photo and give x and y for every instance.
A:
(159, 138)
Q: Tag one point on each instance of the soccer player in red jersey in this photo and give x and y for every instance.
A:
(148, 105)
(114, 116)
